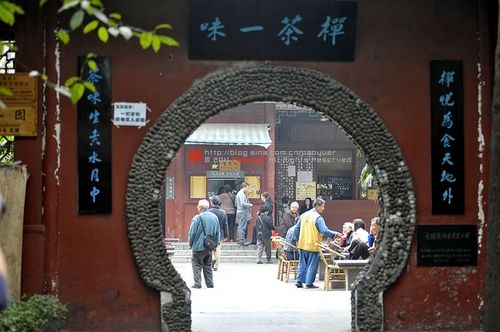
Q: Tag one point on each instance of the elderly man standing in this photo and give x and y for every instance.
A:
(204, 223)
(243, 214)
(308, 232)
(222, 217)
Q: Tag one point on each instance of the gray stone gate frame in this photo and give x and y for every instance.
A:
(236, 86)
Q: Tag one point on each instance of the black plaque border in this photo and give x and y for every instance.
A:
(265, 45)
(103, 203)
(440, 206)
(431, 238)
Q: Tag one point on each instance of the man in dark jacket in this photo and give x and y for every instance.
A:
(204, 223)
(263, 226)
(222, 216)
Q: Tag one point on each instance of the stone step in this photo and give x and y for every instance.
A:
(230, 253)
(226, 259)
(225, 246)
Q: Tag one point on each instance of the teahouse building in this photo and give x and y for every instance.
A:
(378, 74)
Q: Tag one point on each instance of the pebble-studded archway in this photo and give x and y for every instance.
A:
(237, 86)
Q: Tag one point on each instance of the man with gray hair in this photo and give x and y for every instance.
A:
(243, 214)
(203, 224)
(308, 232)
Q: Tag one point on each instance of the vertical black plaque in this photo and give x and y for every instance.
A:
(447, 137)
(94, 139)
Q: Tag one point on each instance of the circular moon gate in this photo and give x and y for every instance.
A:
(237, 86)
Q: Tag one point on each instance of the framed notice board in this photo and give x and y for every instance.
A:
(447, 245)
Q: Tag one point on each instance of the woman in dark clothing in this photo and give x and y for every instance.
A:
(268, 203)
(227, 204)
(263, 227)
(307, 205)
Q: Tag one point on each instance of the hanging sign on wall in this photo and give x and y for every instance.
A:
(94, 139)
(447, 245)
(272, 30)
(19, 117)
(447, 137)
(130, 114)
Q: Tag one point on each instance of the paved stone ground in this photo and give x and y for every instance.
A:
(248, 297)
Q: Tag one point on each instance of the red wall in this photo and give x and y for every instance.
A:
(87, 259)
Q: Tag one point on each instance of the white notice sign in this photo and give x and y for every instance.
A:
(129, 114)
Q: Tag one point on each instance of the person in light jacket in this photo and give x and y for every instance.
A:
(204, 223)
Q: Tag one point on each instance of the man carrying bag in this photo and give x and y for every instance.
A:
(202, 233)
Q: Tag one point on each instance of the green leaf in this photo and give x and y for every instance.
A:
(91, 55)
(77, 91)
(163, 26)
(145, 39)
(168, 41)
(156, 44)
(116, 16)
(103, 34)
(70, 81)
(12, 7)
(63, 36)
(6, 15)
(68, 4)
(97, 3)
(5, 91)
(92, 65)
(89, 86)
(42, 3)
(76, 19)
(91, 26)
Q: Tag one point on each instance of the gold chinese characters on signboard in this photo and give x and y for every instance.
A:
(229, 165)
(198, 186)
(19, 118)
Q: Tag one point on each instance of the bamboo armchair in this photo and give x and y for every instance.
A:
(332, 271)
(285, 265)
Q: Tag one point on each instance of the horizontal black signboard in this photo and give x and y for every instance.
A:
(447, 245)
(272, 30)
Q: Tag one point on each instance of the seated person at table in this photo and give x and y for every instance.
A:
(291, 253)
(374, 230)
(359, 244)
(346, 237)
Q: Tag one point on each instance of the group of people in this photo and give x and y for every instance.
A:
(355, 242)
(219, 217)
(303, 230)
(301, 226)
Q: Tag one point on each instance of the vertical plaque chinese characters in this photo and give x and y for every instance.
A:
(447, 137)
(94, 139)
